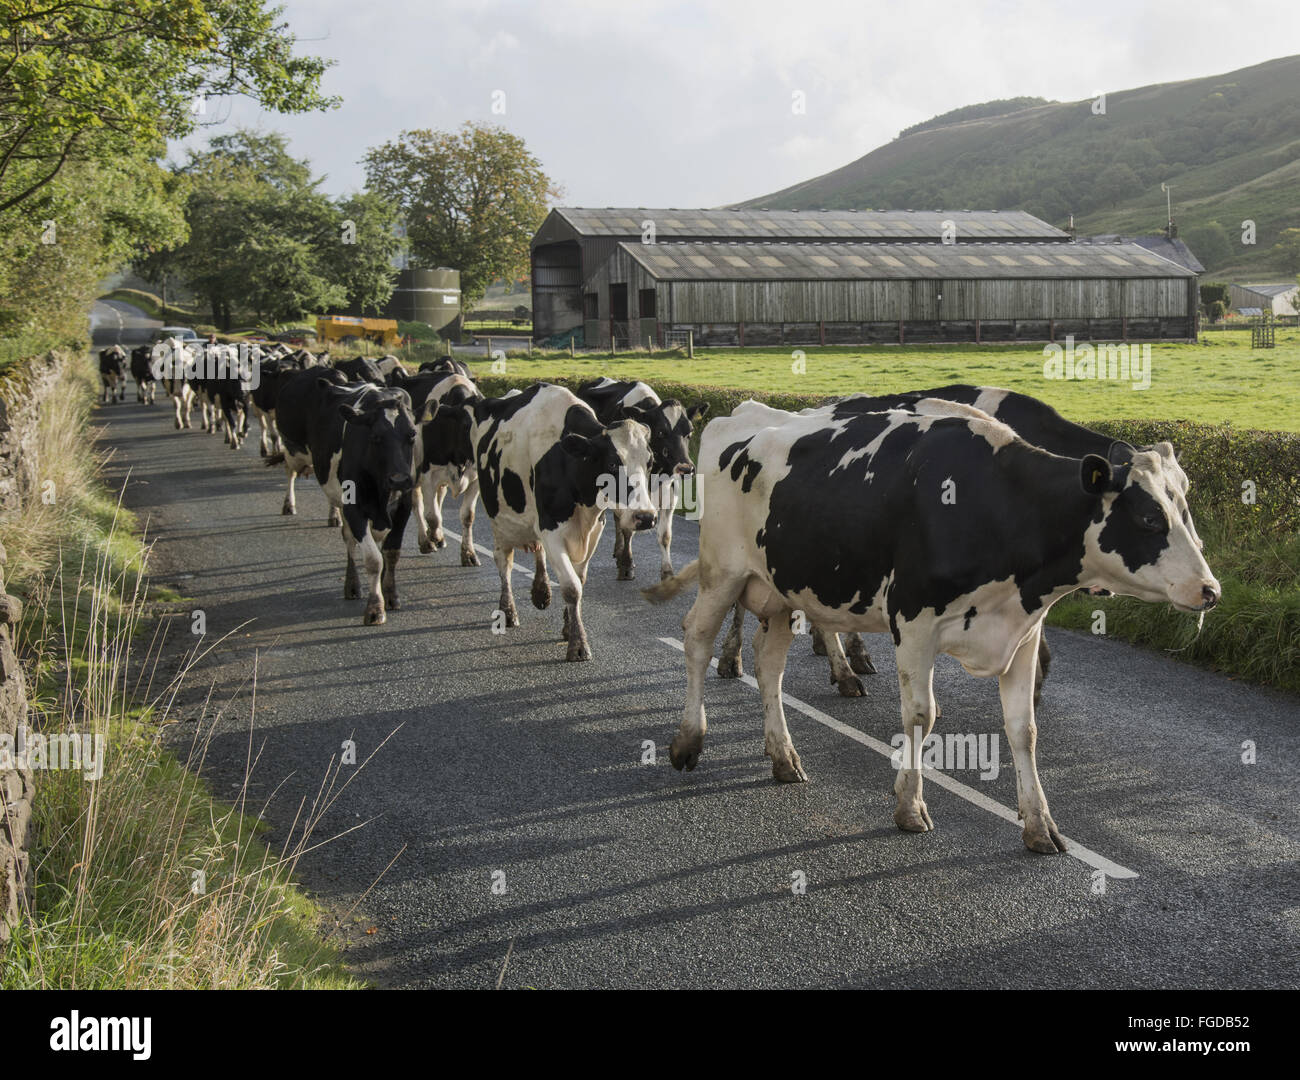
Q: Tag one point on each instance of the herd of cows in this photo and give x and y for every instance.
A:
(951, 518)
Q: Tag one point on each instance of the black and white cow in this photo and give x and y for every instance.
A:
(142, 372)
(670, 424)
(301, 388)
(359, 442)
(448, 365)
(444, 461)
(1034, 421)
(112, 373)
(221, 386)
(174, 365)
(950, 532)
(274, 369)
(361, 369)
(547, 469)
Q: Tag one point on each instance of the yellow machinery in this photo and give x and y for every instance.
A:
(338, 327)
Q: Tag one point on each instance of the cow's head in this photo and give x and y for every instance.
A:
(615, 464)
(1142, 543)
(387, 451)
(1121, 453)
(670, 426)
(447, 426)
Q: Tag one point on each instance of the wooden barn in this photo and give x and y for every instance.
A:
(573, 245)
(825, 294)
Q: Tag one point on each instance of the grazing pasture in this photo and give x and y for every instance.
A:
(1224, 381)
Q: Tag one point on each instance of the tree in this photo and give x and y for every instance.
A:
(262, 237)
(88, 80)
(1287, 249)
(362, 255)
(471, 200)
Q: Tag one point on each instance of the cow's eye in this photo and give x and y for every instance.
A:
(1153, 522)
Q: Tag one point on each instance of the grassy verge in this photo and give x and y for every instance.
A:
(142, 878)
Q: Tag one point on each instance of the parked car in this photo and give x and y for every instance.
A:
(182, 332)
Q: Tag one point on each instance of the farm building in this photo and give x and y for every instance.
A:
(574, 243)
(1282, 299)
(1171, 248)
(797, 278)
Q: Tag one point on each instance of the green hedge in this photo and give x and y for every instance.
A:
(1253, 548)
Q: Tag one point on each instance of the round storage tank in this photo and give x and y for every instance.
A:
(429, 296)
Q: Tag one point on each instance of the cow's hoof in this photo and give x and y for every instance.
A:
(850, 686)
(819, 645)
(789, 771)
(178, 425)
(578, 650)
(334, 520)
(684, 752)
(468, 558)
(626, 573)
(541, 595)
(859, 660)
(392, 602)
(1041, 835)
(729, 667)
(914, 817)
(288, 509)
(439, 541)
(262, 452)
(512, 616)
(665, 573)
(425, 546)
(350, 590)
(374, 616)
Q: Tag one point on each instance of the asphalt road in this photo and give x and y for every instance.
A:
(504, 764)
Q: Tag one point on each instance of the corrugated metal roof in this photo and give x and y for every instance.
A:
(774, 262)
(1174, 250)
(1268, 290)
(819, 225)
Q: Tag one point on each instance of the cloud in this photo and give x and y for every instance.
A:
(689, 103)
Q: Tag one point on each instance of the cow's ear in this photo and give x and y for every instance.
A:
(1095, 474)
(579, 446)
(697, 410)
(323, 382)
(430, 411)
(1121, 453)
(351, 414)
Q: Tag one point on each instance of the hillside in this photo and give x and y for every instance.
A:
(1229, 145)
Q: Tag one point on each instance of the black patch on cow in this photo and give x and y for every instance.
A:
(512, 490)
(1128, 532)
(970, 614)
(929, 554)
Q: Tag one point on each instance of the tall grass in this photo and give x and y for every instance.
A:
(141, 878)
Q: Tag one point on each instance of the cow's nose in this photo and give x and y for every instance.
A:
(400, 481)
(1209, 596)
(685, 469)
(645, 519)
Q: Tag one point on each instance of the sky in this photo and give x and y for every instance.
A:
(666, 103)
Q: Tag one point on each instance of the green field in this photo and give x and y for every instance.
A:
(1221, 381)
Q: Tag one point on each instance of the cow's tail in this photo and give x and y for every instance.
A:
(274, 459)
(670, 587)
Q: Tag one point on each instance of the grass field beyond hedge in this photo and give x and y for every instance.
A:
(1224, 381)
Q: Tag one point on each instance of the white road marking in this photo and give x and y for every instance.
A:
(489, 553)
(932, 776)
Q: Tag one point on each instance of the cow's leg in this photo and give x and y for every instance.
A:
(859, 658)
(1044, 666)
(505, 559)
(771, 643)
(623, 545)
(729, 663)
(335, 516)
(700, 630)
(571, 589)
(417, 508)
(264, 443)
(351, 583)
(374, 560)
(664, 527)
(392, 542)
(1016, 687)
(541, 592)
(916, 701)
(468, 501)
(841, 674)
(434, 511)
(290, 501)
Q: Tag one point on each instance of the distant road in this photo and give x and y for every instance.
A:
(623, 874)
(114, 322)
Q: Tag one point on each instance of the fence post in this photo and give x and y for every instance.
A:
(572, 349)
(690, 344)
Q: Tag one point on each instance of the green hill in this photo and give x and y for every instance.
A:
(1229, 145)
